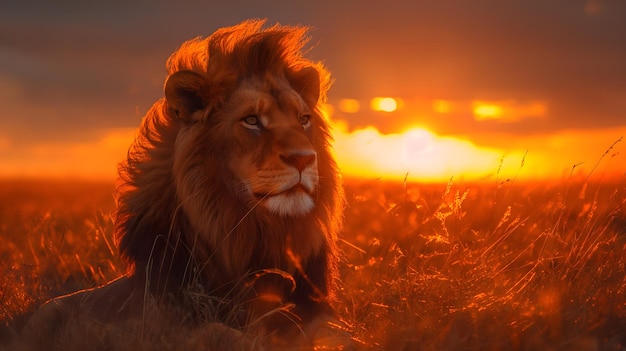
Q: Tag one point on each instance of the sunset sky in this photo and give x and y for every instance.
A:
(481, 87)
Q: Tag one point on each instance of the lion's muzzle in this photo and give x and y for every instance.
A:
(299, 160)
(287, 189)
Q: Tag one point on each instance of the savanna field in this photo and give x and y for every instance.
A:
(497, 265)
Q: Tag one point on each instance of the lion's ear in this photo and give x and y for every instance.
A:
(186, 92)
(307, 83)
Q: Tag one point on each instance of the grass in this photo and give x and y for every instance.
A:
(487, 266)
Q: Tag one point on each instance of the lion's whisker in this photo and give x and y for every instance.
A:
(256, 204)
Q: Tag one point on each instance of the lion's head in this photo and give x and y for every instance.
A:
(232, 171)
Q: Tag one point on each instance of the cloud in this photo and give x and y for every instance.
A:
(55, 98)
(593, 7)
(70, 69)
(508, 110)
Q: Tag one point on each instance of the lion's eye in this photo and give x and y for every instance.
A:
(305, 120)
(251, 122)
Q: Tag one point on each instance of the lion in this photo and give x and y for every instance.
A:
(229, 198)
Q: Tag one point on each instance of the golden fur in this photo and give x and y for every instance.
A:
(230, 185)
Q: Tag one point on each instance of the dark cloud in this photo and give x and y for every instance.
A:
(70, 66)
(74, 65)
(488, 50)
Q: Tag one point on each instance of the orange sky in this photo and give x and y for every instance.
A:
(416, 152)
(424, 156)
(476, 85)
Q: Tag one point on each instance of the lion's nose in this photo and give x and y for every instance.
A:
(299, 160)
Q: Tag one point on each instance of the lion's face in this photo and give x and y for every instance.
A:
(266, 131)
(274, 159)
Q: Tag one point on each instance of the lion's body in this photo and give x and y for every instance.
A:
(230, 185)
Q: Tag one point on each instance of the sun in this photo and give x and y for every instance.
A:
(416, 153)
(417, 142)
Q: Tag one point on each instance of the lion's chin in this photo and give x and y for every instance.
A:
(289, 204)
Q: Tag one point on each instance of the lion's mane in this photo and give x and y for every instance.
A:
(152, 221)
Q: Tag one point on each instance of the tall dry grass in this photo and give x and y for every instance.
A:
(489, 266)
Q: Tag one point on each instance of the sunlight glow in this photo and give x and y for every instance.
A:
(97, 159)
(422, 154)
(508, 110)
(484, 111)
(384, 104)
(349, 105)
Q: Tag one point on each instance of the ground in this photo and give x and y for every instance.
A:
(492, 265)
